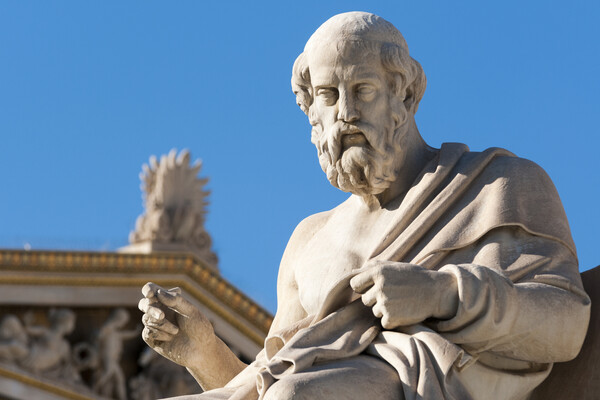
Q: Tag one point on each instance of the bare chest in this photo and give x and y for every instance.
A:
(342, 245)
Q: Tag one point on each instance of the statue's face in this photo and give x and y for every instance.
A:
(10, 327)
(352, 117)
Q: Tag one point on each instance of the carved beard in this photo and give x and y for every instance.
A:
(367, 169)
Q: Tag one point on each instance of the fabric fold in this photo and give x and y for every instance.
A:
(482, 217)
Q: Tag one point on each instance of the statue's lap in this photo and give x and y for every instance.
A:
(360, 377)
(355, 378)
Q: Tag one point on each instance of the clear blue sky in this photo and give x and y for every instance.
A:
(89, 90)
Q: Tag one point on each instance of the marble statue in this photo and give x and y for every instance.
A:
(13, 339)
(160, 378)
(110, 380)
(447, 274)
(49, 351)
(175, 200)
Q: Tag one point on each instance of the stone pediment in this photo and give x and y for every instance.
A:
(92, 287)
(22, 384)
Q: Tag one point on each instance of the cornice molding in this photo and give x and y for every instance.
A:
(46, 385)
(85, 268)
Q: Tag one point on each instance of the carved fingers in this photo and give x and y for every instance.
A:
(173, 299)
(362, 282)
(368, 286)
(394, 291)
(150, 290)
(369, 297)
(157, 326)
(158, 329)
(173, 326)
(375, 298)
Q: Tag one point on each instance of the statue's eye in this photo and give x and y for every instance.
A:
(366, 92)
(327, 95)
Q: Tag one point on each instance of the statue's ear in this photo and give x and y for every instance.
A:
(404, 95)
(409, 100)
(301, 83)
(399, 104)
(409, 79)
(414, 90)
(409, 95)
(303, 98)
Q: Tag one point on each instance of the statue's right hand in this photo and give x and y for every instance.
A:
(173, 326)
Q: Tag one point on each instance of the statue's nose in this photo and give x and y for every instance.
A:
(347, 110)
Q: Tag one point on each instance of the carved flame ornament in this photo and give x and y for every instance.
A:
(175, 200)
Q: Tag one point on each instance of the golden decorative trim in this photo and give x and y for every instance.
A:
(48, 387)
(15, 264)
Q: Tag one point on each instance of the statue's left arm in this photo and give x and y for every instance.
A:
(512, 293)
(521, 296)
(501, 270)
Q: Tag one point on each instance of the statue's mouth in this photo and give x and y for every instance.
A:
(353, 139)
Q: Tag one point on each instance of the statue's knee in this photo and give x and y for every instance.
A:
(288, 389)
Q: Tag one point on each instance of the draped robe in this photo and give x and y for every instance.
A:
(496, 223)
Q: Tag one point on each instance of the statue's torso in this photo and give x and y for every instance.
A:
(342, 244)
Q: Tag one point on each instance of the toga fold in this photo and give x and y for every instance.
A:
(496, 222)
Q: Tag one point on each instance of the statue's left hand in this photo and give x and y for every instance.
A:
(403, 294)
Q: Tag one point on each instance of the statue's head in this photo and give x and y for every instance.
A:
(62, 320)
(10, 327)
(360, 90)
(119, 317)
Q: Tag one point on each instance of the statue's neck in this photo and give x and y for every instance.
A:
(416, 154)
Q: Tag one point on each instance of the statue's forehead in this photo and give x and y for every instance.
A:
(343, 49)
(343, 60)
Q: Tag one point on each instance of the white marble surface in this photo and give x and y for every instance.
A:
(441, 274)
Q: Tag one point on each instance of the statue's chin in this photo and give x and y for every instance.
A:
(358, 171)
(354, 181)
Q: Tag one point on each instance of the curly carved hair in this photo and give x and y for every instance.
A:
(406, 75)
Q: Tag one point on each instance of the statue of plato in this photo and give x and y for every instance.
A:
(447, 274)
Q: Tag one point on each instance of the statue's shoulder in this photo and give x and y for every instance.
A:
(512, 162)
(311, 224)
(525, 174)
(304, 231)
(502, 163)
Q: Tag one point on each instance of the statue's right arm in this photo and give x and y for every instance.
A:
(191, 340)
(177, 330)
(289, 307)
